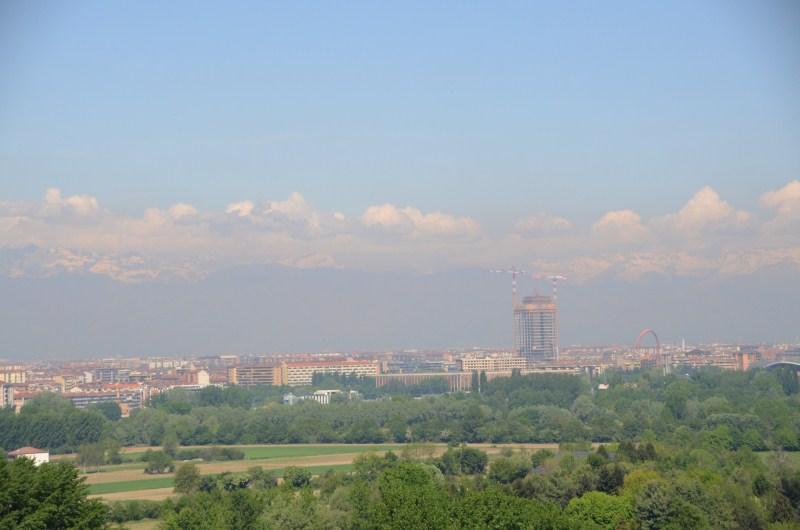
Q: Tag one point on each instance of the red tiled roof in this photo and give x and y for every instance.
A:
(26, 451)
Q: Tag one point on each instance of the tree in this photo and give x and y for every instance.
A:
(158, 462)
(539, 457)
(658, 506)
(91, 456)
(187, 478)
(170, 444)
(676, 398)
(296, 477)
(112, 447)
(611, 478)
(508, 469)
(599, 510)
(259, 478)
(109, 409)
(462, 459)
(409, 498)
(494, 508)
(50, 497)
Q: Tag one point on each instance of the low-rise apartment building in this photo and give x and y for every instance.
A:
(302, 373)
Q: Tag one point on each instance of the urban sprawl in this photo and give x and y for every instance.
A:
(132, 382)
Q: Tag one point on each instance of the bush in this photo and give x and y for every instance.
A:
(466, 460)
(297, 477)
(210, 453)
(539, 457)
(507, 470)
(124, 511)
(187, 478)
(158, 462)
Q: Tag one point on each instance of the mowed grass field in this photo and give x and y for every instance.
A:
(169, 482)
(128, 481)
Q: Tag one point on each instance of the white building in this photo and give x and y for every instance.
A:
(39, 456)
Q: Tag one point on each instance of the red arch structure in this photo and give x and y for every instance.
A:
(638, 344)
(642, 334)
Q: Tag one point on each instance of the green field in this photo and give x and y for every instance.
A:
(283, 451)
(131, 485)
(258, 453)
(167, 482)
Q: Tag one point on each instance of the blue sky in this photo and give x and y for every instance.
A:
(646, 150)
(493, 110)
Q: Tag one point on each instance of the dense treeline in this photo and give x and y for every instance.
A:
(46, 497)
(709, 408)
(630, 486)
(51, 422)
(757, 409)
(634, 486)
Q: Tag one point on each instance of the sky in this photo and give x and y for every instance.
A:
(637, 144)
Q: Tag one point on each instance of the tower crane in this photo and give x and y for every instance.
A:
(514, 272)
(554, 279)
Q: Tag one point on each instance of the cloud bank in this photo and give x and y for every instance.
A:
(707, 236)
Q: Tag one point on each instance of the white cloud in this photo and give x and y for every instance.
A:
(80, 205)
(705, 212)
(413, 221)
(181, 210)
(785, 200)
(76, 235)
(295, 207)
(241, 209)
(620, 227)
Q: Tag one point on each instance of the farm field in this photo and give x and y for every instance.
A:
(128, 482)
(160, 488)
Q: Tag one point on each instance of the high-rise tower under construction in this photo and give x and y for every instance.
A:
(536, 328)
